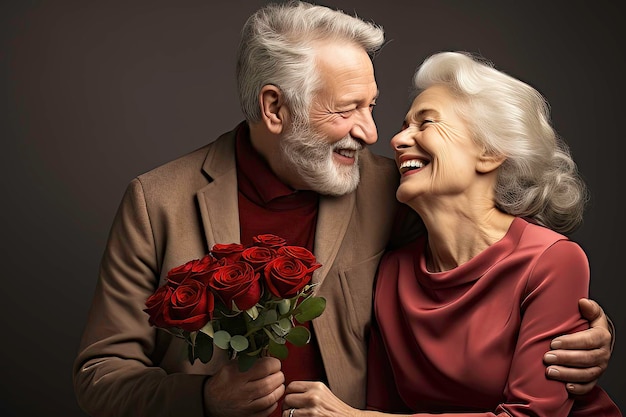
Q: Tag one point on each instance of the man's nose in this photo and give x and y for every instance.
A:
(365, 128)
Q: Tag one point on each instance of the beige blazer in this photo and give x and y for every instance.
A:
(175, 213)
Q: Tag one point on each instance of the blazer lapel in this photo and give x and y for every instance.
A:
(218, 200)
(332, 222)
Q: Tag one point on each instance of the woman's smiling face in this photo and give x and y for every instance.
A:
(435, 152)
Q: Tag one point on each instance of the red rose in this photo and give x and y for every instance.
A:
(238, 283)
(231, 251)
(203, 270)
(268, 241)
(258, 256)
(155, 304)
(302, 254)
(198, 269)
(285, 276)
(178, 274)
(190, 306)
(203, 264)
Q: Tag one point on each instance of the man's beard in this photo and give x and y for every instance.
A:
(311, 156)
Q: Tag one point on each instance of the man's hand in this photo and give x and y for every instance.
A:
(579, 359)
(254, 393)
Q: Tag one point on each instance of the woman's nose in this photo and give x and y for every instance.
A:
(403, 139)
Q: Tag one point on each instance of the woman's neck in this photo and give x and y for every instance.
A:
(456, 237)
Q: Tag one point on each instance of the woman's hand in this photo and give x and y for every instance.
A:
(314, 399)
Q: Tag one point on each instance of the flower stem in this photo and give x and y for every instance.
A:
(250, 332)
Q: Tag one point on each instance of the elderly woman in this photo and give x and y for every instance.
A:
(465, 314)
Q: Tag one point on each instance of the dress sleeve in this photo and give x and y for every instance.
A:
(559, 278)
(114, 373)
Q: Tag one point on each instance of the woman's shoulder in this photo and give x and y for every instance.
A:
(542, 243)
(552, 255)
(534, 233)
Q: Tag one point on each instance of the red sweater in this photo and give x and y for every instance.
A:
(267, 205)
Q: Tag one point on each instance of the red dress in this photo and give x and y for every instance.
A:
(470, 341)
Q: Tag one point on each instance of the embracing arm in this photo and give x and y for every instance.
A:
(579, 359)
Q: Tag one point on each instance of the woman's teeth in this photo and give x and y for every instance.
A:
(411, 164)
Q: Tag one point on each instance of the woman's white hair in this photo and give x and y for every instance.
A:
(277, 48)
(539, 179)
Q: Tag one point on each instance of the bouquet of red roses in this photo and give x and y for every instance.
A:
(247, 300)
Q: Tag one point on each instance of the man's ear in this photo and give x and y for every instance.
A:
(488, 162)
(273, 108)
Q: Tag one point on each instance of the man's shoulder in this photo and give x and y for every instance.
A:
(189, 162)
(379, 170)
(188, 167)
(373, 159)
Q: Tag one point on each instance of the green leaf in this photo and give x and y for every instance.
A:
(277, 350)
(284, 306)
(269, 317)
(253, 312)
(299, 336)
(311, 308)
(282, 327)
(245, 362)
(191, 354)
(208, 329)
(274, 337)
(239, 343)
(204, 347)
(222, 339)
(285, 324)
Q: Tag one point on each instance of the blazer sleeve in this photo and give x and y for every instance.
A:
(114, 372)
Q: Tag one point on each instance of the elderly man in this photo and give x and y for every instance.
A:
(298, 167)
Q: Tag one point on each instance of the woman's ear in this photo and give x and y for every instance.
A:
(273, 109)
(488, 162)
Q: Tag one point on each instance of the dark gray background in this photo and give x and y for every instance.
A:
(95, 93)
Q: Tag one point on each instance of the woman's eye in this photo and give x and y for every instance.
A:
(426, 122)
(344, 113)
